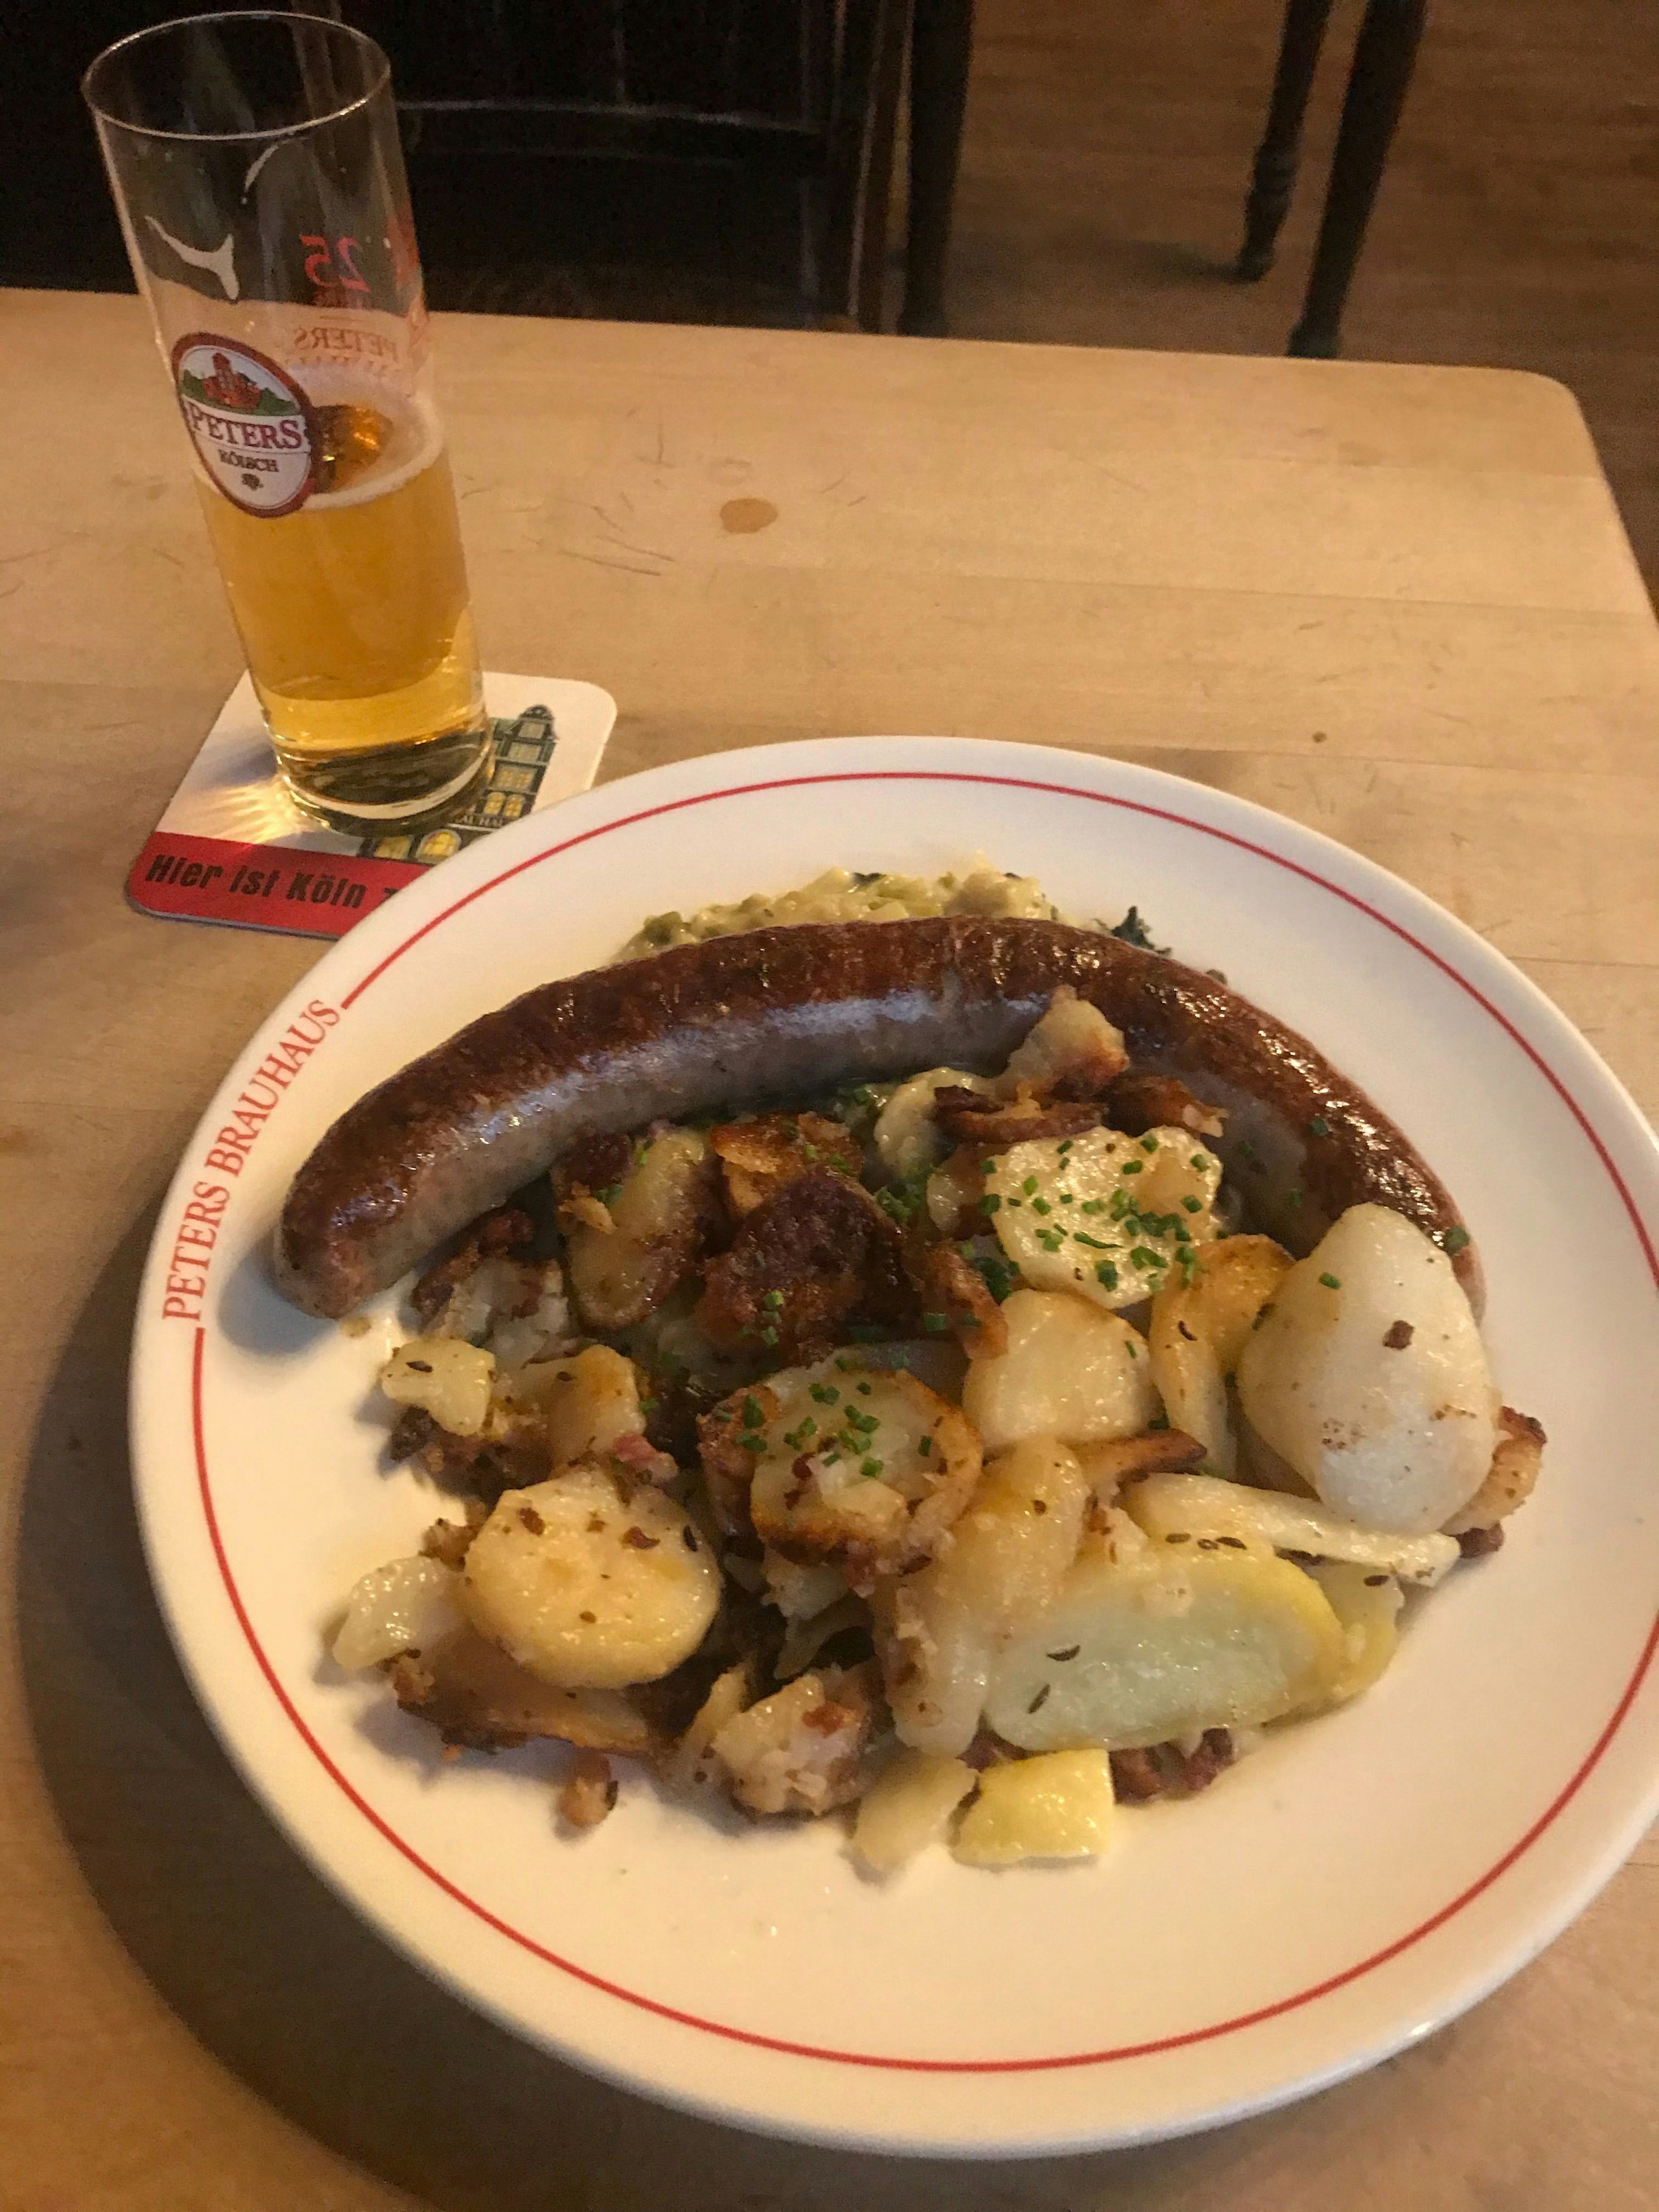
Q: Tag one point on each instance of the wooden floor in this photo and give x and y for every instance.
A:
(1108, 150)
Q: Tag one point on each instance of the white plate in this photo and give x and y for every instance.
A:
(1353, 1886)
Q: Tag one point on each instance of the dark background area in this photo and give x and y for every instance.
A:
(1107, 155)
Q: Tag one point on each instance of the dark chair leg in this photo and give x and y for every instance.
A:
(1274, 177)
(941, 47)
(1382, 62)
(890, 39)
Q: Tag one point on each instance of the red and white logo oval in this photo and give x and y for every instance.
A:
(249, 421)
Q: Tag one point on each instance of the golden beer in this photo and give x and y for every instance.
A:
(354, 612)
(256, 168)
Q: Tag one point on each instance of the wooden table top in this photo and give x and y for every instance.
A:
(1394, 603)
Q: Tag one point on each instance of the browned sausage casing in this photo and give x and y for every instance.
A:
(780, 1013)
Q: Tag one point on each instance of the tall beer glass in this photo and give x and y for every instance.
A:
(256, 165)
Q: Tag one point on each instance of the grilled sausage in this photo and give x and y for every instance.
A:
(781, 1013)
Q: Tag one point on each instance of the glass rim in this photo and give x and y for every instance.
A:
(359, 39)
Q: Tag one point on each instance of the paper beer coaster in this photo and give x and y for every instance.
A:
(231, 846)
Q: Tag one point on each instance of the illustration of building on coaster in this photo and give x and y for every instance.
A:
(523, 748)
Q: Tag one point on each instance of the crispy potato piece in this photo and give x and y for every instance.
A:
(1140, 1101)
(476, 1697)
(1140, 1650)
(816, 1255)
(908, 1808)
(991, 1126)
(1511, 1477)
(589, 1583)
(801, 1750)
(1073, 1052)
(1198, 1333)
(1059, 1806)
(1197, 1506)
(937, 1632)
(404, 1605)
(1107, 1466)
(1103, 1215)
(1367, 1373)
(588, 1793)
(444, 1376)
(622, 1270)
(758, 1158)
(590, 1401)
(952, 1290)
(840, 1462)
(1065, 1370)
(907, 1137)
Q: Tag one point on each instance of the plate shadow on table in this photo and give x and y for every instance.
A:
(285, 1986)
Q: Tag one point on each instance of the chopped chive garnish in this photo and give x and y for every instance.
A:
(1106, 1274)
(1332, 1282)
(1094, 1206)
(1133, 1167)
(1095, 1243)
(1029, 1185)
(869, 1468)
(1149, 1143)
(1319, 1126)
(753, 1414)
(935, 1323)
(769, 1337)
(1041, 1205)
(1456, 1237)
(1193, 1205)
(989, 1203)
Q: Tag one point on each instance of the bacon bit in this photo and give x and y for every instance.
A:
(758, 1158)
(826, 1718)
(949, 1285)
(1399, 1336)
(595, 1163)
(988, 1750)
(529, 1518)
(637, 1541)
(1136, 1102)
(1480, 1543)
(639, 1456)
(1213, 1756)
(493, 1236)
(449, 1541)
(1164, 1770)
(968, 1118)
(589, 1792)
(1135, 1777)
(1156, 1451)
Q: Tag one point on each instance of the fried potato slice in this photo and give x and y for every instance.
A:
(1058, 1806)
(1104, 1215)
(1067, 1370)
(1147, 1649)
(1368, 1374)
(1198, 1332)
(590, 1583)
